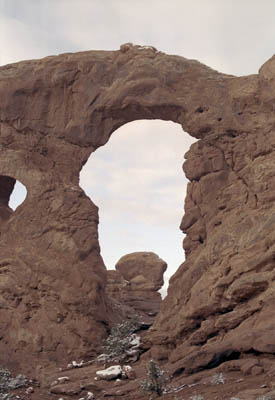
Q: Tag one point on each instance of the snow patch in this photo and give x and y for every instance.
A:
(135, 341)
(109, 373)
(63, 379)
(75, 364)
(102, 358)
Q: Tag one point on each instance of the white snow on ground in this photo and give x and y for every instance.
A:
(109, 373)
(75, 364)
(135, 341)
(102, 358)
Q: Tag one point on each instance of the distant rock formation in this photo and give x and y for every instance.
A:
(54, 113)
(135, 283)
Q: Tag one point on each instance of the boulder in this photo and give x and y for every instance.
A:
(135, 283)
(143, 270)
(129, 372)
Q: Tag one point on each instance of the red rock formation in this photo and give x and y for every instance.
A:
(220, 302)
(6, 188)
(54, 113)
(135, 283)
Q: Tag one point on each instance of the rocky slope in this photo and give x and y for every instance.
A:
(54, 113)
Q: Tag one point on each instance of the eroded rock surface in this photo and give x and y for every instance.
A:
(221, 300)
(135, 283)
(54, 113)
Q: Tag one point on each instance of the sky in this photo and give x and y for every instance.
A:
(136, 179)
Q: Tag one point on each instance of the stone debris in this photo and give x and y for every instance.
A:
(128, 372)
(29, 390)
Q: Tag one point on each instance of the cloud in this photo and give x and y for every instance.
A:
(25, 33)
(234, 37)
(139, 174)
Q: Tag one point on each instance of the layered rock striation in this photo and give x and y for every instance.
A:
(54, 113)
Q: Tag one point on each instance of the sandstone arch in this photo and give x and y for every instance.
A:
(18, 195)
(7, 188)
(54, 113)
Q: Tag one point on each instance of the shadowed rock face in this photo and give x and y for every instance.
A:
(54, 113)
(6, 187)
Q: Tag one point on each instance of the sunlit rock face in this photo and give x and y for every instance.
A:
(54, 113)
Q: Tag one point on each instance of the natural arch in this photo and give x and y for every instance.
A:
(54, 113)
(18, 195)
(12, 194)
(137, 182)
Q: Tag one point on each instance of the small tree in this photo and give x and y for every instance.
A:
(156, 380)
(118, 343)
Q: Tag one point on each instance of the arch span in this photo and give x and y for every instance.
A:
(12, 194)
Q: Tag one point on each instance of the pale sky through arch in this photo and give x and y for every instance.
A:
(18, 195)
(137, 182)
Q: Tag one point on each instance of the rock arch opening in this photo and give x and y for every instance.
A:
(137, 182)
(18, 195)
(12, 194)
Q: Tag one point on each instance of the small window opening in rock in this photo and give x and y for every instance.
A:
(137, 182)
(18, 195)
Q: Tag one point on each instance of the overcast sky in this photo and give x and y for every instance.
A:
(136, 179)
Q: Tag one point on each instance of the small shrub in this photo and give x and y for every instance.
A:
(156, 380)
(5, 377)
(119, 341)
(217, 379)
(8, 383)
